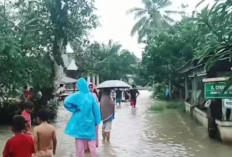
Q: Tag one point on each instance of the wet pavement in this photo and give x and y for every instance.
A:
(143, 133)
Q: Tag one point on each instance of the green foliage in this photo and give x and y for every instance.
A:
(157, 107)
(159, 90)
(33, 35)
(205, 37)
(109, 61)
(18, 69)
(214, 24)
(12, 65)
(71, 20)
(176, 105)
(168, 51)
(53, 106)
(8, 110)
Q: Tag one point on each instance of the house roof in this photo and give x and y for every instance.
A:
(65, 60)
(72, 65)
(69, 49)
(66, 79)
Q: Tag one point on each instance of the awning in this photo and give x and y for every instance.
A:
(67, 80)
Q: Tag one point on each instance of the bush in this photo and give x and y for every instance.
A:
(53, 106)
(161, 105)
(157, 108)
(176, 105)
(13, 107)
(8, 110)
(159, 91)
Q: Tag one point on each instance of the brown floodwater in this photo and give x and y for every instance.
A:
(143, 133)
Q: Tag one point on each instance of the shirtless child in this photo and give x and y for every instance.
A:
(45, 136)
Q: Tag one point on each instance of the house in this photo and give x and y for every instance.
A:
(194, 72)
(70, 69)
(206, 97)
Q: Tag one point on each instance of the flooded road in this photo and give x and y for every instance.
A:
(143, 133)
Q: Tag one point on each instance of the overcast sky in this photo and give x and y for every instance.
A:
(116, 24)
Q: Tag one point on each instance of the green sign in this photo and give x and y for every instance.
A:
(215, 90)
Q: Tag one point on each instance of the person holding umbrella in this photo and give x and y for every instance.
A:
(107, 107)
(113, 84)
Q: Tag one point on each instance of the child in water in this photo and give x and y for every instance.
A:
(45, 136)
(21, 145)
(28, 108)
(85, 118)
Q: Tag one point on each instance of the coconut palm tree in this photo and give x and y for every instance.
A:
(151, 17)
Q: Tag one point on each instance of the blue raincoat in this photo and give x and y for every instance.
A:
(85, 113)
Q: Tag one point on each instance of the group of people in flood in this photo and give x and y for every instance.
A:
(41, 143)
(88, 109)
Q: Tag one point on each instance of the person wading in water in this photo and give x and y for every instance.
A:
(134, 93)
(107, 107)
(85, 117)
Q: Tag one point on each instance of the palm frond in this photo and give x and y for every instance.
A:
(147, 30)
(174, 12)
(138, 25)
(115, 48)
(136, 9)
(228, 84)
(184, 6)
(30, 21)
(141, 35)
(140, 14)
(198, 4)
(163, 4)
(214, 7)
(168, 19)
(147, 3)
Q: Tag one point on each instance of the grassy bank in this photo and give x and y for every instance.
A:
(161, 105)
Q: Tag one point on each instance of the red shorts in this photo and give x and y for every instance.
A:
(133, 103)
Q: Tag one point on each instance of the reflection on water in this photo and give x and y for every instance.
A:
(140, 132)
(133, 111)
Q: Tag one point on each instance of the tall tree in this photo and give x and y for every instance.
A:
(150, 18)
(168, 51)
(33, 35)
(107, 60)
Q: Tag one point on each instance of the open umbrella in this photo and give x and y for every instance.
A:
(113, 84)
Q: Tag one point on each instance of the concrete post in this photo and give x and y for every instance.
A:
(170, 88)
(195, 89)
(88, 78)
(186, 87)
(93, 79)
(98, 81)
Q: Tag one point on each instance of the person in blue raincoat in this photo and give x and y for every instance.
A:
(85, 117)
